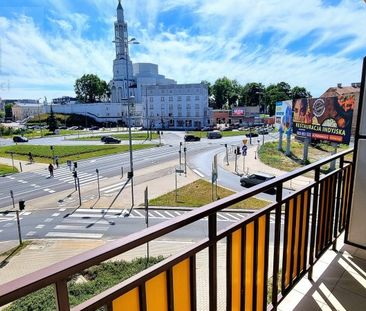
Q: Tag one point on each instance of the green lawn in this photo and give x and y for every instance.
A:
(5, 169)
(135, 136)
(43, 154)
(199, 193)
(269, 154)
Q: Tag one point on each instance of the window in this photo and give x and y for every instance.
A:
(188, 98)
(197, 106)
(188, 113)
(162, 98)
(179, 98)
(179, 113)
(170, 98)
(188, 106)
(197, 98)
(180, 106)
(151, 106)
(170, 106)
(151, 99)
(197, 113)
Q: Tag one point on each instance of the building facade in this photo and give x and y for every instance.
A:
(175, 106)
(22, 111)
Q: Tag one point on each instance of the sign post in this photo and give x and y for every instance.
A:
(12, 160)
(244, 151)
(214, 177)
(12, 197)
(97, 171)
(147, 222)
(177, 171)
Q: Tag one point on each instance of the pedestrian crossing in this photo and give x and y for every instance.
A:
(94, 223)
(65, 175)
(11, 215)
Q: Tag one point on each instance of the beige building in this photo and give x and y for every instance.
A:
(22, 111)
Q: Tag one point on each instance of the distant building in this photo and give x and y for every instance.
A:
(237, 115)
(22, 111)
(340, 90)
(175, 106)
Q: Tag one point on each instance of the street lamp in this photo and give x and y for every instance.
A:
(130, 174)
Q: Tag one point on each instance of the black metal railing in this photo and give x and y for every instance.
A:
(300, 226)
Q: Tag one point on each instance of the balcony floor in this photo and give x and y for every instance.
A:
(339, 282)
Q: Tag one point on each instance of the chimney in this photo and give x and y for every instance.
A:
(339, 85)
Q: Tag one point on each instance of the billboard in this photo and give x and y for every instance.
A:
(328, 118)
(238, 112)
(284, 115)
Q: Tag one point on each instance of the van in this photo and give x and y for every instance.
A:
(214, 135)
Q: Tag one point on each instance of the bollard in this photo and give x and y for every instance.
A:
(20, 165)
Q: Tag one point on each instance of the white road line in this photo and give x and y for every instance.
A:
(232, 216)
(40, 226)
(160, 214)
(51, 191)
(30, 233)
(86, 221)
(93, 181)
(25, 213)
(100, 211)
(138, 213)
(151, 215)
(8, 225)
(169, 214)
(1, 231)
(55, 214)
(62, 209)
(68, 227)
(221, 217)
(113, 186)
(74, 235)
(91, 216)
(198, 172)
(178, 213)
(46, 189)
(48, 219)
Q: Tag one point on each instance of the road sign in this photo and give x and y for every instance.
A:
(179, 171)
(244, 150)
(245, 141)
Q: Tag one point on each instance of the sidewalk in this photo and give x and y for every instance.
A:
(22, 165)
(253, 165)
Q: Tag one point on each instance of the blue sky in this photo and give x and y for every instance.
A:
(45, 45)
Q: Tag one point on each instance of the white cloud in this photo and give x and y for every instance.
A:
(218, 42)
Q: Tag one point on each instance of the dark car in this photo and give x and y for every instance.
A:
(102, 138)
(20, 139)
(111, 140)
(94, 128)
(214, 135)
(252, 134)
(256, 179)
(263, 132)
(206, 128)
(191, 138)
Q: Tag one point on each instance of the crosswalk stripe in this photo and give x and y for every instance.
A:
(171, 215)
(138, 213)
(68, 227)
(220, 215)
(100, 211)
(113, 186)
(232, 216)
(74, 235)
(75, 215)
(161, 215)
(85, 221)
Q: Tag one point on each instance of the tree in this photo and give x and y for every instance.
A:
(8, 112)
(299, 92)
(90, 88)
(52, 122)
(226, 92)
(274, 93)
(251, 94)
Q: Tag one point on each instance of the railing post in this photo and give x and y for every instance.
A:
(313, 221)
(62, 296)
(212, 259)
(276, 251)
(340, 179)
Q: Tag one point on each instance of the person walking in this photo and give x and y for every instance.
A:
(30, 157)
(56, 161)
(50, 169)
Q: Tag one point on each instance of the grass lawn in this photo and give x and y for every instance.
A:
(5, 169)
(269, 154)
(199, 193)
(135, 136)
(43, 154)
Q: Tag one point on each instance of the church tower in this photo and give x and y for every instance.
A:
(122, 65)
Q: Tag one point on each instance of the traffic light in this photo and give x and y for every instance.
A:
(225, 145)
(237, 150)
(21, 205)
(75, 164)
(129, 175)
(75, 174)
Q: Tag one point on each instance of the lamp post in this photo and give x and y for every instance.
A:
(130, 174)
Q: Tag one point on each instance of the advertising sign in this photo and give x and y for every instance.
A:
(238, 112)
(284, 115)
(328, 118)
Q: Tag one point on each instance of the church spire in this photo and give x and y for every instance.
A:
(120, 16)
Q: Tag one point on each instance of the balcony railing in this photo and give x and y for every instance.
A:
(306, 223)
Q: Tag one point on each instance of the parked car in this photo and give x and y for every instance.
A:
(102, 138)
(191, 138)
(214, 135)
(263, 132)
(253, 134)
(94, 128)
(207, 128)
(20, 139)
(256, 179)
(111, 140)
(73, 128)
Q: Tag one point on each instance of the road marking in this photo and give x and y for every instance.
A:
(48, 219)
(46, 189)
(232, 216)
(198, 172)
(68, 227)
(74, 235)
(22, 181)
(85, 221)
(75, 215)
(219, 215)
(25, 213)
(55, 214)
(171, 215)
(51, 191)
(40, 226)
(113, 186)
(62, 209)
(160, 214)
(30, 233)
(8, 225)
(1, 231)
(177, 213)
(101, 211)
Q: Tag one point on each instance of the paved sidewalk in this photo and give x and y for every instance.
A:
(25, 165)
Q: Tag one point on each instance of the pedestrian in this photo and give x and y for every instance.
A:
(56, 161)
(69, 164)
(50, 169)
(30, 156)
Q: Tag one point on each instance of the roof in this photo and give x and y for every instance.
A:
(119, 7)
(337, 91)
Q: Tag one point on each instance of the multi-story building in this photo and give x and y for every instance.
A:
(22, 111)
(175, 106)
